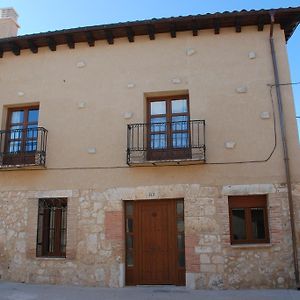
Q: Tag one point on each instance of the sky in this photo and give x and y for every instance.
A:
(47, 15)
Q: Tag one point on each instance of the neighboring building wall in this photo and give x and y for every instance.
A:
(8, 23)
(96, 184)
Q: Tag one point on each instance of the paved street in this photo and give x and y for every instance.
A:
(19, 291)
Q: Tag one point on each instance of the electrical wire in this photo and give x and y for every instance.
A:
(288, 83)
(275, 140)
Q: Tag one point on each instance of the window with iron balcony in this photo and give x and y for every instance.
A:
(23, 142)
(169, 136)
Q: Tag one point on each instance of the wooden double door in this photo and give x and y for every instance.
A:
(155, 242)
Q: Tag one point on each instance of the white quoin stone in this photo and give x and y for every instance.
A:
(130, 85)
(81, 64)
(82, 104)
(229, 144)
(241, 89)
(21, 94)
(127, 115)
(176, 80)
(252, 55)
(92, 150)
(190, 51)
(265, 115)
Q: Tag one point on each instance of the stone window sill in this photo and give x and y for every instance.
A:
(51, 258)
(251, 246)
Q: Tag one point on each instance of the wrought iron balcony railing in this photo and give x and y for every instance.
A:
(23, 147)
(168, 143)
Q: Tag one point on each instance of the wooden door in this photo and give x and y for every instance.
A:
(154, 255)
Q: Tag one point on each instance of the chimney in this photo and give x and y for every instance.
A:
(8, 22)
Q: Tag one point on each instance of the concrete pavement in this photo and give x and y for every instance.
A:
(19, 291)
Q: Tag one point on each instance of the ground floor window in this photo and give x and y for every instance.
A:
(248, 219)
(52, 227)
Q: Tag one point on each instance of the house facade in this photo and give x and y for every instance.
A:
(150, 153)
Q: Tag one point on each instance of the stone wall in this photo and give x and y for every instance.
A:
(95, 237)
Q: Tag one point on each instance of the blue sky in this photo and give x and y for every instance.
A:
(46, 15)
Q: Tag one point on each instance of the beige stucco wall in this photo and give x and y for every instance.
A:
(8, 27)
(98, 183)
(211, 76)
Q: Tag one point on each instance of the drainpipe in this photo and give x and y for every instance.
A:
(285, 151)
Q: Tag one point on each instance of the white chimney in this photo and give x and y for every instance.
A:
(8, 22)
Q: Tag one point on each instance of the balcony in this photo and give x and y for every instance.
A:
(21, 148)
(168, 143)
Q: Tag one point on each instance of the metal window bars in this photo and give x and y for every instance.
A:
(180, 142)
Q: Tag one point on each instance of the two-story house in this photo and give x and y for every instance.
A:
(162, 151)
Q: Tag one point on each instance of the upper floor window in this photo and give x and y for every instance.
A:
(168, 130)
(22, 142)
(22, 123)
(248, 219)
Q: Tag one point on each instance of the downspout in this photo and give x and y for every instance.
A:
(285, 151)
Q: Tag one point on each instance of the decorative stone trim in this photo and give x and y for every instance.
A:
(52, 194)
(249, 189)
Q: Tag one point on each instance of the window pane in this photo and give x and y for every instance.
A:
(17, 116)
(51, 229)
(129, 209)
(179, 208)
(179, 106)
(158, 124)
(158, 108)
(129, 259)
(16, 132)
(181, 259)
(180, 140)
(129, 241)
(14, 147)
(180, 241)
(158, 141)
(238, 224)
(179, 123)
(180, 225)
(33, 115)
(32, 131)
(258, 225)
(129, 225)
(64, 218)
(63, 241)
(31, 145)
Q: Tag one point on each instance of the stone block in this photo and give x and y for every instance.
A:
(204, 259)
(92, 243)
(203, 249)
(217, 259)
(208, 268)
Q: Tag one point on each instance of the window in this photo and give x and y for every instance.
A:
(248, 219)
(52, 227)
(22, 137)
(168, 129)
